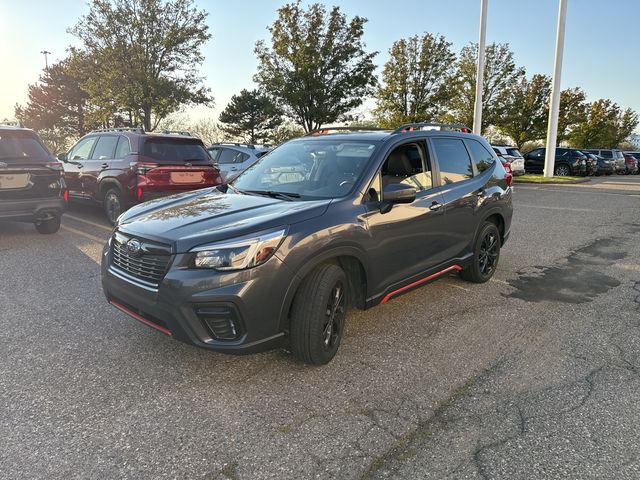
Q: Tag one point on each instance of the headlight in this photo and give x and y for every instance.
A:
(240, 253)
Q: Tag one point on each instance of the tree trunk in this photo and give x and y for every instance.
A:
(146, 118)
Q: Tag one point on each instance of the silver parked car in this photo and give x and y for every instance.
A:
(611, 154)
(234, 158)
(512, 156)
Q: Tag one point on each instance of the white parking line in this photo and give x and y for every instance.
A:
(83, 234)
(559, 208)
(592, 191)
(88, 222)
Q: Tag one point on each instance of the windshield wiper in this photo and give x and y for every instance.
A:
(290, 196)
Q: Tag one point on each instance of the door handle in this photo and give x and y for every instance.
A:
(435, 205)
(480, 193)
(104, 165)
(80, 165)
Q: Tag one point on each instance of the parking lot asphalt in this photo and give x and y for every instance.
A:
(532, 375)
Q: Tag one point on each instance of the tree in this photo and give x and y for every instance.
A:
(526, 110)
(57, 105)
(146, 55)
(316, 68)
(251, 116)
(571, 112)
(606, 126)
(416, 81)
(501, 74)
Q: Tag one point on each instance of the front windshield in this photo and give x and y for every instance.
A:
(309, 168)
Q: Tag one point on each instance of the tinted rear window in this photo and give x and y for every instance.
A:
(174, 150)
(514, 152)
(21, 145)
(606, 153)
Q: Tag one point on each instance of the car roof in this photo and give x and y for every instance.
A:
(14, 128)
(380, 135)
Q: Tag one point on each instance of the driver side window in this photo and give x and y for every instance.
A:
(407, 164)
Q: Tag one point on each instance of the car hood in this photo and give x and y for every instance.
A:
(209, 215)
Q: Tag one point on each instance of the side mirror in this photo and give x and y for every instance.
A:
(62, 157)
(396, 193)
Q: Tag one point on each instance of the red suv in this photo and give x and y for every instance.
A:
(125, 166)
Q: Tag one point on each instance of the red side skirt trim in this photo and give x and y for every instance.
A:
(388, 296)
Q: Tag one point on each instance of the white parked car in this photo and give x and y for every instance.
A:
(234, 158)
(512, 156)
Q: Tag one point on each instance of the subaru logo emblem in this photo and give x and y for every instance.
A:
(134, 246)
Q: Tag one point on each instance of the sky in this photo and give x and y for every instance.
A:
(600, 47)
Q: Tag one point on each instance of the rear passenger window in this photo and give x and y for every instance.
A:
(105, 147)
(453, 160)
(123, 149)
(481, 156)
(606, 154)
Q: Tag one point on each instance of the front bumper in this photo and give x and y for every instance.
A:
(250, 301)
(29, 210)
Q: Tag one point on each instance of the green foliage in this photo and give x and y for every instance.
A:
(146, 54)
(606, 126)
(58, 106)
(285, 132)
(501, 74)
(416, 81)
(316, 67)
(251, 116)
(526, 110)
(572, 111)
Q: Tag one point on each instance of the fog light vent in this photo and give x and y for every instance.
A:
(221, 322)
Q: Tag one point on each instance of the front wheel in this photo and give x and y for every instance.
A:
(318, 315)
(562, 171)
(486, 255)
(112, 204)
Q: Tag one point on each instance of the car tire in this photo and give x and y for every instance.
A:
(112, 204)
(318, 315)
(486, 253)
(48, 226)
(562, 170)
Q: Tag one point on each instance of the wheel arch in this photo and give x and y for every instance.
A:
(352, 261)
(107, 183)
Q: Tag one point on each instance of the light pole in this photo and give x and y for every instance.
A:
(46, 60)
(554, 107)
(477, 113)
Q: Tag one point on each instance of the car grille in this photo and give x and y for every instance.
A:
(149, 265)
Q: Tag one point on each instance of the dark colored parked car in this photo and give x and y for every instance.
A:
(122, 167)
(32, 188)
(569, 161)
(605, 167)
(322, 223)
(631, 164)
(611, 154)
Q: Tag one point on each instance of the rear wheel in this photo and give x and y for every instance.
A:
(49, 225)
(112, 204)
(486, 255)
(318, 315)
(562, 171)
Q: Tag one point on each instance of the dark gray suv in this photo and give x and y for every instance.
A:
(322, 223)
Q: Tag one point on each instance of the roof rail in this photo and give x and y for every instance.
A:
(236, 144)
(328, 130)
(410, 127)
(176, 132)
(119, 129)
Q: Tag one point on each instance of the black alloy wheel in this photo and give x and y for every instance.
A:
(112, 205)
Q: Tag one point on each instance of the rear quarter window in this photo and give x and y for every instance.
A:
(482, 158)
